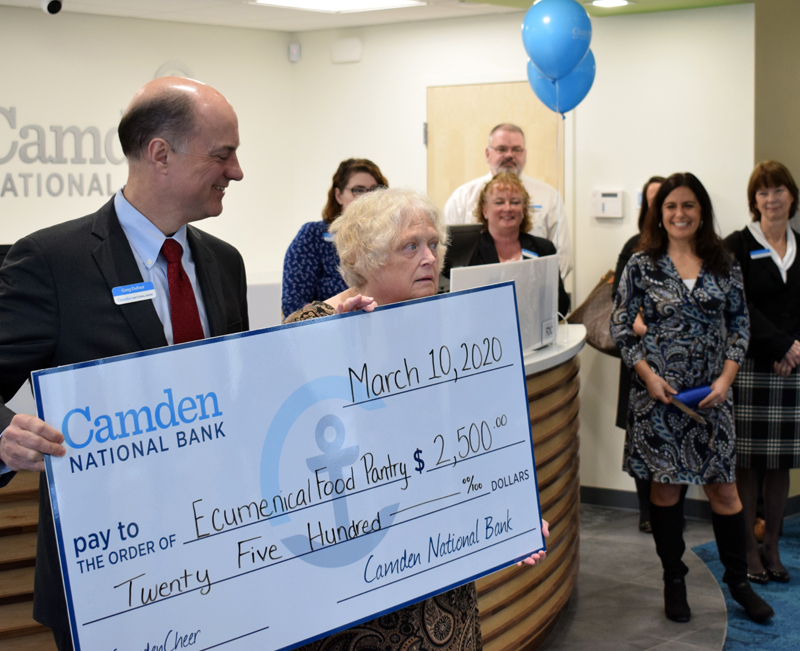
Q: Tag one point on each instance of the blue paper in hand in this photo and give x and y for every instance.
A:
(692, 397)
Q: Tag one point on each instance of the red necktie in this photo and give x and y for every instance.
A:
(186, 324)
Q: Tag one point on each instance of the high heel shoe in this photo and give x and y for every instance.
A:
(762, 578)
(779, 576)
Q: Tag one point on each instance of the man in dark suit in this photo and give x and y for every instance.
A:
(56, 302)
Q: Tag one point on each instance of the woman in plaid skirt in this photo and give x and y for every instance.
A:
(767, 388)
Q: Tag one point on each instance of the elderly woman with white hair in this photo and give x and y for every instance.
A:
(391, 244)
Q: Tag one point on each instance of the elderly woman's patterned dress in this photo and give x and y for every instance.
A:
(689, 336)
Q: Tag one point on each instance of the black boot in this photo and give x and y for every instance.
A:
(730, 532)
(682, 504)
(668, 536)
(643, 493)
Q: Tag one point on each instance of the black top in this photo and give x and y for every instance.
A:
(486, 253)
(622, 260)
(774, 306)
(624, 371)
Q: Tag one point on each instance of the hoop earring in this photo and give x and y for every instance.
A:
(661, 225)
(701, 224)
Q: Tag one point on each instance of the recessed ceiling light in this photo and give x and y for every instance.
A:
(610, 3)
(339, 6)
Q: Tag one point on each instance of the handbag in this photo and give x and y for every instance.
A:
(595, 314)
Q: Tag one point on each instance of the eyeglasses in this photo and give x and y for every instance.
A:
(504, 150)
(358, 190)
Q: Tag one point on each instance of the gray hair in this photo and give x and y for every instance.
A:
(505, 126)
(369, 227)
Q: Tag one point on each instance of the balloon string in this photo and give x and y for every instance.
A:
(559, 179)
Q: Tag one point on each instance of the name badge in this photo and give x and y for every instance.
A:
(327, 237)
(132, 293)
(534, 207)
(759, 253)
(529, 254)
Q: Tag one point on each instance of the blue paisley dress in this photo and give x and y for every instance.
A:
(689, 336)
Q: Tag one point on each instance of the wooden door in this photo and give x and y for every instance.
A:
(460, 119)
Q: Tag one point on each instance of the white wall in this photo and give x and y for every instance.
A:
(76, 69)
(674, 91)
(376, 108)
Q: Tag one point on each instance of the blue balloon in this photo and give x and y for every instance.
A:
(564, 94)
(556, 35)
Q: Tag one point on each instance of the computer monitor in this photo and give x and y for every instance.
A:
(462, 240)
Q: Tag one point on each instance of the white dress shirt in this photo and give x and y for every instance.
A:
(146, 242)
(784, 263)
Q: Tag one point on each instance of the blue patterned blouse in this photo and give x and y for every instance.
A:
(690, 334)
(310, 268)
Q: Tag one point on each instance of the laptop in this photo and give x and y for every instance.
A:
(536, 283)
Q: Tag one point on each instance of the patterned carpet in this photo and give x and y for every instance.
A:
(782, 632)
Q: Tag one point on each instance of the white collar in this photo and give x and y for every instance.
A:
(791, 247)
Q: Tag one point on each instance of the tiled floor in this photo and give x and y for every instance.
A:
(618, 602)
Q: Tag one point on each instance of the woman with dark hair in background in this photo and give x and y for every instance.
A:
(767, 389)
(642, 485)
(691, 295)
(311, 265)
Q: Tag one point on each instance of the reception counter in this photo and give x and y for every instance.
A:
(518, 605)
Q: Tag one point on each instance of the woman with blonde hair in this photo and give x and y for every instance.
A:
(391, 244)
(503, 210)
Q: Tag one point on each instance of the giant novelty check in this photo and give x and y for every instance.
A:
(260, 490)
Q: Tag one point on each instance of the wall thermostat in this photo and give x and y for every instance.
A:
(607, 203)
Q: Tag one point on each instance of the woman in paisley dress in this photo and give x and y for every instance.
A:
(690, 292)
(391, 244)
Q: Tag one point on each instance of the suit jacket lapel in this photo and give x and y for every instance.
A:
(488, 249)
(115, 259)
(764, 265)
(208, 277)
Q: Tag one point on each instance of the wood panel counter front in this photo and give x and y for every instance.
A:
(519, 605)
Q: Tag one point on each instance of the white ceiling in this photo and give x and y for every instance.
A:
(239, 13)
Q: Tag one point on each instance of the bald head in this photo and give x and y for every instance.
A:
(180, 137)
(165, 108)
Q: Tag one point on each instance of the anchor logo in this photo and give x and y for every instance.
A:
(334, 458)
